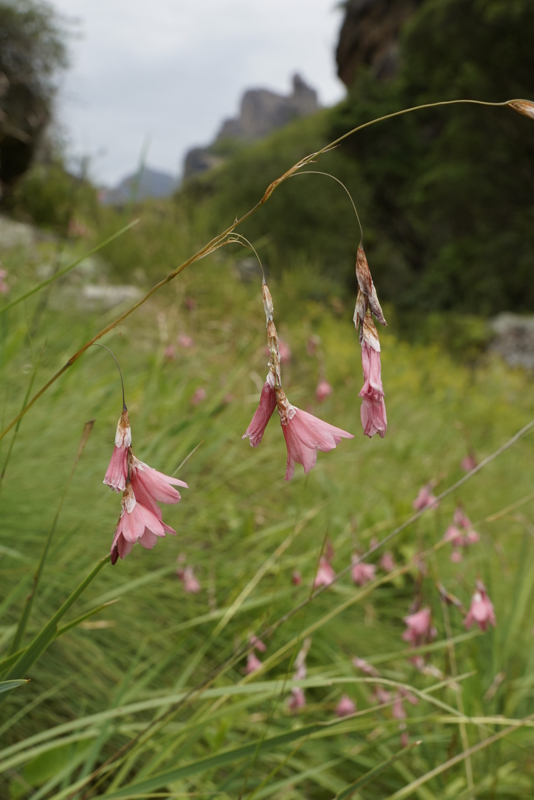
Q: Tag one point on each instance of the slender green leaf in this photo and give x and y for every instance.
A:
(6, 686)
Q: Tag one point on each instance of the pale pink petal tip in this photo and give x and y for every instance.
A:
(323, 390)
(325, 574)
(263, 413)
(297, 699)
(362, 573)
(190, 582)
(345, 707)
(253, 663)
(305, 435)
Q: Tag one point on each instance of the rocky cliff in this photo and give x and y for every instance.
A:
(369, 36)
(261, 112)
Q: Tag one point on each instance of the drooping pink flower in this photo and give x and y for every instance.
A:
(136, 524)
(381, 695)
(387, 562)
(456, 555)
(397, 709)
(362, 573)
(198, 396)
(190, 581)
(185, 341)
(296, 578)
(117, 471)
(253, 663)
(323, 390)
(454, 536)
(325, 574)
(263, 413)
(151, 486)
(373, 410)
(297, 699)
(305, 435)
(469, 462)
(472, 537)
(425, 499)
(345, 707)
(419, 628)
(257, 643)
(365, 667)
(461, 519)
(481, 610)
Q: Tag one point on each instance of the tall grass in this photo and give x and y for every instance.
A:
(148, 696)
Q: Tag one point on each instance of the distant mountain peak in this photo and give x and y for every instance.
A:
(140, 185)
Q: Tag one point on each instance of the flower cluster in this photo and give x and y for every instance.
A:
(304, 433)
(373, 410)
(141, 518)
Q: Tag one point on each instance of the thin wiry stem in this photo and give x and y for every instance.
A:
(238, 238)
(328, 175)
(97, 344)
(221, 239)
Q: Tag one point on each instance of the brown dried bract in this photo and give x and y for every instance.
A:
(359, 312)
(274, 362)
(369, 334)
(267, 303)
(365, 282)
(285, 409)
(525, 107)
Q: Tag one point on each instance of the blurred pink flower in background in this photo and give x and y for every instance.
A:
(185, 341)
(285, 352)
(263, 413)
(257, 643)
(362, 573)
(189, 580)
(419, 628)
(170, 352)
(481, 611)
(469, 462)
(387, 562)
(381, 695)
(253, 663)
(296, 578)
(456, 555)
(325, 574)
(345, 706)
(461, 519)
(323, 390)
(297, 699)
(190, 303)
(425, 499)
(397, 709)
(454, 536)
(373, 409)
(365, 667)
(199, 396)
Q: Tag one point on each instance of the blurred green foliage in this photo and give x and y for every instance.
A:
(445, 195)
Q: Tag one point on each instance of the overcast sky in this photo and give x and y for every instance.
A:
(167, 72)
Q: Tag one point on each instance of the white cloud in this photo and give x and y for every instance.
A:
(171, 70)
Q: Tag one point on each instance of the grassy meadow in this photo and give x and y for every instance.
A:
(148, 697)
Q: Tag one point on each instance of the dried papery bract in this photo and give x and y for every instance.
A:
(367, 287)
(525, 107)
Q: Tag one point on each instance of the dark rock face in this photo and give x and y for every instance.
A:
(369, 36)
(261, 113)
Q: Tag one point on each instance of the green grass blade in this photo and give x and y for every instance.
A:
(7, 686)
(373, 773)
(49, 632)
